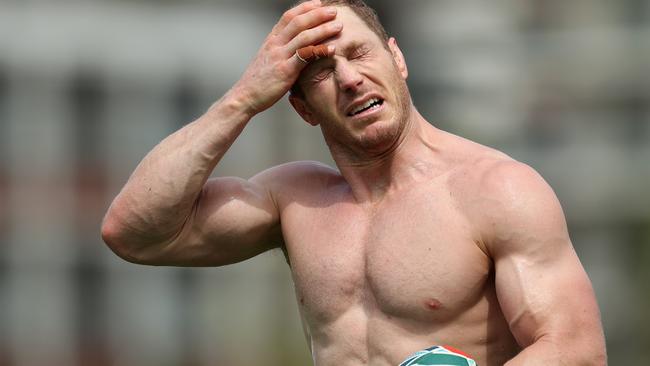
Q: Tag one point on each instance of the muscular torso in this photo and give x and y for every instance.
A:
(378, 282)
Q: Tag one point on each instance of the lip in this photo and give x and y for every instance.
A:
(369, 113)
(360, 101)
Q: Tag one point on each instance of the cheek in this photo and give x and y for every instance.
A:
(322, 98)
(382, 74)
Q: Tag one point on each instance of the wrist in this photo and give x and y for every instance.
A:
(239, 101)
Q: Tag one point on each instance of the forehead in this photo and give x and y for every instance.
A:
(354, 29)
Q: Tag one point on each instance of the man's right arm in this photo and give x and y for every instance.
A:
(168, 213)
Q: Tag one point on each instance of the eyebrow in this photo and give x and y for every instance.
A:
(353, 46)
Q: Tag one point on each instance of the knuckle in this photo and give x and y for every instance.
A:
(305, 37)
(288, 14)
(298, 23)
(283, 70)
(270, 40)
(272, 55)
(268, 49)
(288, 49)
(287, 17)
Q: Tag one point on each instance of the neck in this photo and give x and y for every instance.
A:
(409, 159)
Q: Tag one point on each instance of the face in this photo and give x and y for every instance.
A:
(359, 96)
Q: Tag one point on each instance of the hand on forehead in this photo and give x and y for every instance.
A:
(356, 31)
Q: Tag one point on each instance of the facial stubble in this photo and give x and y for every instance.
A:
(376, 143)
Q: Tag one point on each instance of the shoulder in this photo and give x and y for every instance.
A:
(483, 173)
(511, 181)
(298, 179)
(512, 188)
(504, 199)
(519, 211)
(297, 172)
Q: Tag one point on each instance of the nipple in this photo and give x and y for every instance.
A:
(432, 304)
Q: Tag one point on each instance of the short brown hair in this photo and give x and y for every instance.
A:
(364, 12)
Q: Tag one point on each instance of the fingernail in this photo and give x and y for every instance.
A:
(331, 11)
(331, 49)
(337, 25)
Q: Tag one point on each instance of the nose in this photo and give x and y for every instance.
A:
(348, 77)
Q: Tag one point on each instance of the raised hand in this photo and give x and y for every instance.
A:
(276, 66)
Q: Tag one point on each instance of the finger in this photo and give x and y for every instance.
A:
(307, 20)
(308, 54)
(294, 12)
(314, 36)
(311, 53)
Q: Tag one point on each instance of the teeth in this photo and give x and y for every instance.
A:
(364, 106)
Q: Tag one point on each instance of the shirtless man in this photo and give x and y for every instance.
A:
(419, 238)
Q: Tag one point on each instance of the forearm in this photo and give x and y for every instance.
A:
(160, 194)
(538, 353)
(545, 352)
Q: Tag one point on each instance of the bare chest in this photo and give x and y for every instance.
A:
(413, 258)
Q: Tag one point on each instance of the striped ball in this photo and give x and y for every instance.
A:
(438, 355)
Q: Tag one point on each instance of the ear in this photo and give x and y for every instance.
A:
(300, 105)
(398, 57)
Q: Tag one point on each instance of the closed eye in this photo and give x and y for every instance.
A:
(322, 74)
(360, 53)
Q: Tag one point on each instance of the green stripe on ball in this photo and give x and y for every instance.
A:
(440, 359)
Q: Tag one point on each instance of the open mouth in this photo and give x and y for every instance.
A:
(371, 104)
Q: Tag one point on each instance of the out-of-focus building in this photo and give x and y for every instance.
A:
(87, 88)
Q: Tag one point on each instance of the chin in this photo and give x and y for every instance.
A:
(384, 135)
(374, 139)
(379, 137)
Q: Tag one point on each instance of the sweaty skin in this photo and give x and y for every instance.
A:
(419, 238)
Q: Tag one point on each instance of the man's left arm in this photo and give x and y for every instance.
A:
(543, 290)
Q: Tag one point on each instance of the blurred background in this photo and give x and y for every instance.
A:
(87, 88)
